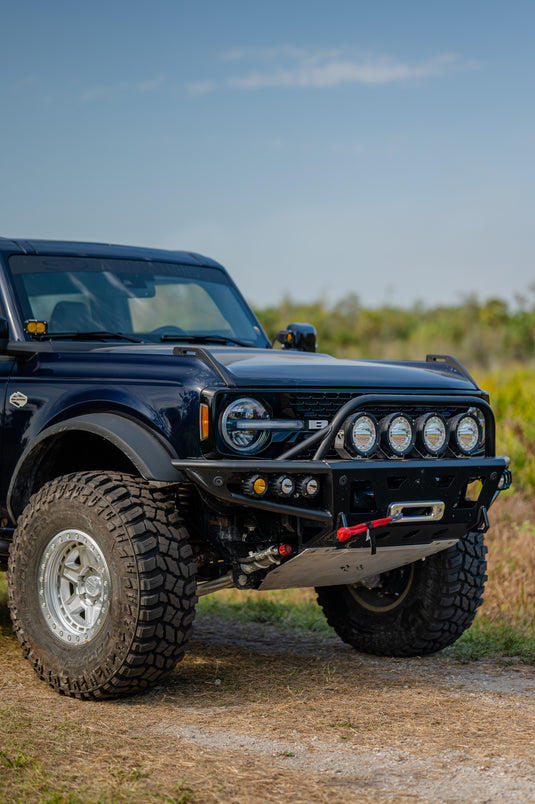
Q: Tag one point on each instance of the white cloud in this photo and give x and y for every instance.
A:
(291, 67)
(112, 90)
(332, 72)
(265, 53)
(202, 87)
(151, 85)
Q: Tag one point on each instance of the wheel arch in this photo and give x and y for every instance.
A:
(105, 441)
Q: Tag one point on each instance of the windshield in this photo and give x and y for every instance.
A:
(146, 300)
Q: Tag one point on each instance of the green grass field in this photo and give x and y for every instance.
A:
(512, 396)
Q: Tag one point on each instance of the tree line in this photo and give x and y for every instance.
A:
(485, 334)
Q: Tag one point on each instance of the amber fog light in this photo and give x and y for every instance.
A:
(254, 485)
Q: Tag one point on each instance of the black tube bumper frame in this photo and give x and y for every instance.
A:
(390, 481)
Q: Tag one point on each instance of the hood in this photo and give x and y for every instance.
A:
(272, 368)
(268, 367)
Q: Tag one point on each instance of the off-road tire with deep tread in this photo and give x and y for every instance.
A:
(152, 584)
(436, 606)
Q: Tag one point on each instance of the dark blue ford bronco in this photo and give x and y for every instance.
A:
(156, 447)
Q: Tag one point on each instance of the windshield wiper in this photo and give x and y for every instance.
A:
(97, 335)
(203, 339)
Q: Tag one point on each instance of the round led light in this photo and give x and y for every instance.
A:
(399, 434)
(433, 433)
(254, 485)
(282, 486)
(308, 486)
(363, 434)
(467, 431)
(259, 485)
(241, 426)
(287, 486)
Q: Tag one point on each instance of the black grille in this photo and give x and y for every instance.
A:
(321, 405)
(325, 404)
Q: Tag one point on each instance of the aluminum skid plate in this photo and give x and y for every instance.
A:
(332, 566)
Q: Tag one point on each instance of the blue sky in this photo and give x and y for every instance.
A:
(384, 148)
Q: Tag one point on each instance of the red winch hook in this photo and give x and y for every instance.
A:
(345, 533)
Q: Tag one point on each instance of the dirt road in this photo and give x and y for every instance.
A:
(255, 714)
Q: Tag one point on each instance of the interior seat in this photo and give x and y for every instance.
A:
(71, 316)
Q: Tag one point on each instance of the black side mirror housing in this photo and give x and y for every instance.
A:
(302, 337)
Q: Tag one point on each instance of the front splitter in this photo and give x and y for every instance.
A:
(332, 566)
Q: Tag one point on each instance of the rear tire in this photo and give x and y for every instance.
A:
(414, 610)
(101, 582)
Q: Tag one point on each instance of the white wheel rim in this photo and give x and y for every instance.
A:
(74, 586)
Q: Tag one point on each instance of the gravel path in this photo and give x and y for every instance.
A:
(257, 715)
(425, 730)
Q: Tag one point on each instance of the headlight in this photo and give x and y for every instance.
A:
(432, 433)
(467, 432)
(362, 434)
(241, 425)
(398, 434)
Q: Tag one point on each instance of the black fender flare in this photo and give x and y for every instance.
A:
(149, 452)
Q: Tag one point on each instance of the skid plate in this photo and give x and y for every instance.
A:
(332, 566)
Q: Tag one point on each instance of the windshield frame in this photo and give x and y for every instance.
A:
(205, 275)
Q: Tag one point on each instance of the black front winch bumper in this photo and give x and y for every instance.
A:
(430, 497)
(433, 497)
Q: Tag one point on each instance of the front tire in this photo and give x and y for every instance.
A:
(101, 582)
(413, 610)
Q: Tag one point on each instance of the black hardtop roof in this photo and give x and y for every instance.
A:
(106, 250)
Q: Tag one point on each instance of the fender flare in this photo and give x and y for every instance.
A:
(147, 450)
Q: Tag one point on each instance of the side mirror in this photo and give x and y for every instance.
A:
(298, 336)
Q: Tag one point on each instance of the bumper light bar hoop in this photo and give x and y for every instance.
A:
(327, 435)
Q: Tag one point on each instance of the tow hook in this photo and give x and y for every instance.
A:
(345, 533)
(505, 480)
